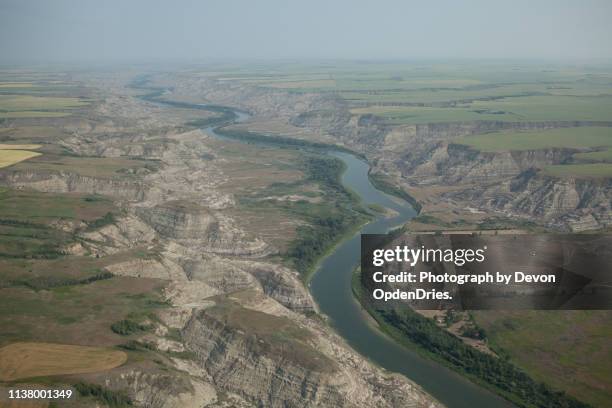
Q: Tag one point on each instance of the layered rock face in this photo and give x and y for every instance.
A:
(275, 358)
(574, 204)
(69, 182)
(180, 220)
(260, 367)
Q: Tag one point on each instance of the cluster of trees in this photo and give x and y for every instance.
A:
(48, 282)
(106, 219)
(315, 239)
(282, 141)
(113, 399)
(473, 332)
(498, 372)
(380, 182)
(126, 327)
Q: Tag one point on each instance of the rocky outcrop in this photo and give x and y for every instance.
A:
(66, 182)
(287, 361)
(182, 220)
(562, 203)
(163, 390)
(197, 226)
(449, 164)
(260, 367)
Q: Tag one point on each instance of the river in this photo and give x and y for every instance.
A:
(331, 288)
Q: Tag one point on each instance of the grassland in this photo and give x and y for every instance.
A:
(603, 155)
(568, 349)
(46, 208)
(576, 138)
(88, 166)
(79, 313)
(32, 114)
(27, 218)
(19, 146)
(16, 103)
(592, 170)
(26, 360)
(587, 165)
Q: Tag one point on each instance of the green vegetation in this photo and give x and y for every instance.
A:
(27, 218)
(604, 155)
(48, 282)
(26, 102)
(382, 183)
(106, 219)
(411, 115)
(99, 167)
(46, 208)
(113, 399)
(281, 141)
(587, 165)
(325, 227)
(546, 343)
(74, 312)
(592, 170)
(498, 373)
(377, 208)
(433, 93)
(127, 327)
(430, 219)
(575, 137)
(17, 105)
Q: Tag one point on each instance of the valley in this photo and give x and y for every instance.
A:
(153, 224)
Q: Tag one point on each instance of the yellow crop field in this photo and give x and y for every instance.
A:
(9, 157)
(27, 360)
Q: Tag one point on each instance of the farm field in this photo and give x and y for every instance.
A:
(9, 157)
(586, 164)
(12, 103)
(603, 155)
(591, 170)
(574, 138)
(509, 109)
(20, 100)
(91, 166)
(26, 360)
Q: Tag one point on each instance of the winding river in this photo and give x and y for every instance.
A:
(331, 289)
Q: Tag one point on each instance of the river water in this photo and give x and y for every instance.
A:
(331, 289)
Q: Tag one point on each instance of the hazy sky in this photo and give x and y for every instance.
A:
(57, 30)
